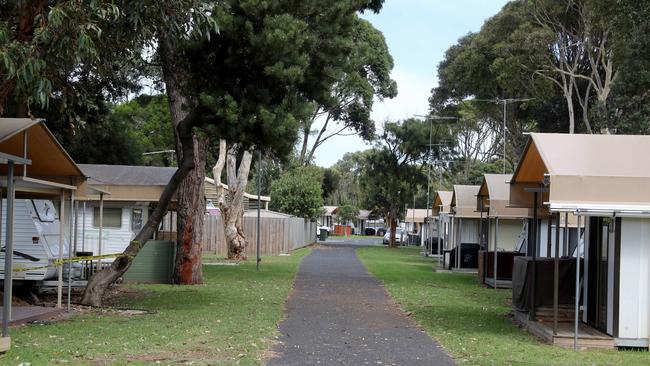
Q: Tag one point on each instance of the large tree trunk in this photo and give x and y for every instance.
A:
(101, 280)
(393, 228)
(190, 195)
(231, 200)
(233, 213)
(190, 219)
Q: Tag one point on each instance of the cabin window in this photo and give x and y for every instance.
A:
(112, 217)
(136, 219)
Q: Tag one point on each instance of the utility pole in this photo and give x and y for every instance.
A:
(505, 103)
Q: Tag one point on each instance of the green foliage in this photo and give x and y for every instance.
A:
(268, 61)
(331, 182)
(58, 56)
(364, 76)
(346, 213)
(148, 117)
(271, 171)
(298, 192)
(348, 171)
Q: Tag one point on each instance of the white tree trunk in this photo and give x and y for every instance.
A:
(231, 197)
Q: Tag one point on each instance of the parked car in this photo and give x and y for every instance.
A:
(400, 236)
(381, 231)
(369, 231)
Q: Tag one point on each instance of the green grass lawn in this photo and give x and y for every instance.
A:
(472, 322)
(230, 320)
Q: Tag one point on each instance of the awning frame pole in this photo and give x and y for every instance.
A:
(439, 239)
(577, 300)
(73, 213)
(25, 152)
(566, 234)
(101, 230)
(83, 229)
(496, 252)
(549, 237)
(59, 289)
(9, 250)
(459, 241)
(556, 273)
(533, 254)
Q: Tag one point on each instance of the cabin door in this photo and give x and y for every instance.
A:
(602, 233)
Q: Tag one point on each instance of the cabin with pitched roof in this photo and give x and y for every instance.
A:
(594, 293)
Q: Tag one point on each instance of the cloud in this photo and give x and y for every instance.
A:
(412, 98)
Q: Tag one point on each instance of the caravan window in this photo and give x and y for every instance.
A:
(112, 217)
(45, 210)
(136, 219)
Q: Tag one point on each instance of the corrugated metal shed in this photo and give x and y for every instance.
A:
(154, 263)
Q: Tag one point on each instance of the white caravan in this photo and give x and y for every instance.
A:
(36, 239)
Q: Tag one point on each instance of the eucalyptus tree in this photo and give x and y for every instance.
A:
(363, 75)
(267, 63)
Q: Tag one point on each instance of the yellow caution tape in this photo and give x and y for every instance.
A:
(59, 262)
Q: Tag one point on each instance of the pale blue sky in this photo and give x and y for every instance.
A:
(418, 33)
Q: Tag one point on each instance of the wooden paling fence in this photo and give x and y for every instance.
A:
(277, 235)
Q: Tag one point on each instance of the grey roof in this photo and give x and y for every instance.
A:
(267, 214)
(364, 214)
(127, 175)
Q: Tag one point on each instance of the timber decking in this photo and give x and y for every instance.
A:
(500, 283)
(588, 337)
(25, 314)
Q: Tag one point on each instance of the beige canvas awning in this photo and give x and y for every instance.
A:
(417, 215)
(49, 160)
(494, 198)
(609, 173)
(441, 203)
(51, 169)
(463, 201)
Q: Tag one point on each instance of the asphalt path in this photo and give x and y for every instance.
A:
(339, 314)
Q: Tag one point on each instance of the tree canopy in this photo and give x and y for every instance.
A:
(298, 192)
(363, 75)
